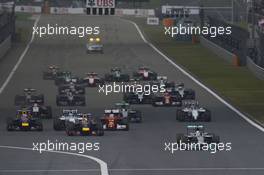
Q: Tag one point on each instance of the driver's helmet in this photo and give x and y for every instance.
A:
(24, 114)
(116, 69)
(84, 118)
(71, 85)
(140, 93)
(198, 132)
(166, 94)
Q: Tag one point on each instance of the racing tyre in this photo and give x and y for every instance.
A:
(49, 112)
(127, 128)
(100, 132)
(181, 138)
(69, 127)
(9, 124)
(215, 139)
(58, 125)
(207, 116)
(190, 95)
(180, 116)
(40, 126)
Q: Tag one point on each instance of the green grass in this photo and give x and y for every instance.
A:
(23, 16)
(236, 84)
(24, 25)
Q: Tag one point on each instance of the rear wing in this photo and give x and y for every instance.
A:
(66, 111)
(194, 127)
(112, 111)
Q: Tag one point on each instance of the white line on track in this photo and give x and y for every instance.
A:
(11, 74)
(135, 169)
(253, 123)
(103, 165)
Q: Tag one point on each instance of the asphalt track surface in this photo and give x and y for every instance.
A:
(139, 151)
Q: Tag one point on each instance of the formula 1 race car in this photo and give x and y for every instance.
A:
(24, 122)
(186, 94)
(67, 115)
(166, 99)
(191, 111)
(196, 134)
(116, 76)
(52, 73)
(84, 126)
(29, 98)
(138, 98)
(145, 74)
(76, 89)
(92, 80)
(114, 120)
(70, 99)
(40, 111)
(67, 78)
(134, 116)
(163, 81)
(94, 45)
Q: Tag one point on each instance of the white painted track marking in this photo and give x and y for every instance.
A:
(253, 123)
(13, 71)
(135, 169)
(103, 165)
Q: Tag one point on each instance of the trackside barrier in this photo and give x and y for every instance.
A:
(28, 9)
(255, 69)
(152, 21)
(118, 12)
(62, 10)
(5, 46)
(135, 12)
(219, 51)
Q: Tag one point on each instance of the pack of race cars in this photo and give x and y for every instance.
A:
(71, 93)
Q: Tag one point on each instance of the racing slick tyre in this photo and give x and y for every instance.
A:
(139, 115)
(49, 112)
(127, 127)
(69, 127)
(108, 78)
(125, 78)
(153, 77)
(180, 116)
(100, 132)
(181, 138)
(190, 95)
(9, 125)
(215, 139)
(206, 116)
(39, 126)
(41, 98)
(58, 125)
